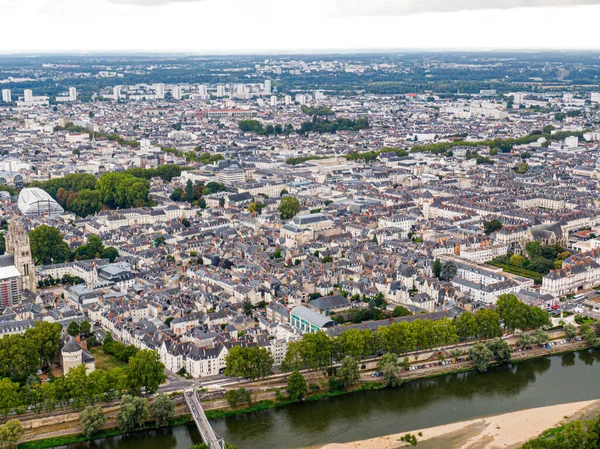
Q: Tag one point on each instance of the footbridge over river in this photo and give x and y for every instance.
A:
(206, 431)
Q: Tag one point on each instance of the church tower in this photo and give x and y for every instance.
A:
(17, 244)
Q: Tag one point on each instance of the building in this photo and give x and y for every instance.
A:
(35, 201)
(72, 355)
(307, 320)
(176, 92)
(17, 244)
(268, 86)
(72, 94)
(10, 282)
(6, 95)
(326, 304)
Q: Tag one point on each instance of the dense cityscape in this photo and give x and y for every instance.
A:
(186, 239)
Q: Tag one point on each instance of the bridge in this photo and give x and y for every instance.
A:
(206, 431)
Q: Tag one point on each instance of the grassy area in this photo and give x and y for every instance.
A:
(537, 277)
(104, 361)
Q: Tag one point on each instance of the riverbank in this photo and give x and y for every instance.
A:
(506, 431)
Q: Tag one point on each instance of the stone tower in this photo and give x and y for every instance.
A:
(17, 244)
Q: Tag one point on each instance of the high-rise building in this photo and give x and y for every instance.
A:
(17, 244)
(287, 100)
(241, 89)
(220, 91)
(117, 93)
(203, 90)
(273, 100)
(595, 97)
(176, 92)
(11, 289)
(28, 95)
(319, 95)
(160, 90)
(267, 86)
(6, 95)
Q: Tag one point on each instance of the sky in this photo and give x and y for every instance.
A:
(235, 26)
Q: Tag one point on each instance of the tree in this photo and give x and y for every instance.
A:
(48, 246)
(517, 260)
(11, 433)
(73, 329)
(85, 328)
(133, 413)
(46, 337)
(348, 372)
(588, 334)
(288, 207)
(400, 311)
(448, 271)
(296, 386)
(437, 268)
(488, 323)
(570, 331)
(388, 366)
(466, 326)
(9, 396)
(524, 340)
(146, 370)
(123, 190)
(92, 419)
(481, 356)
(189, 191)
(492, 226)
(501, 350)
(162, 410)
(512, 312)
(251, 362)
(541, 337)
(533, 249)
(110, 253)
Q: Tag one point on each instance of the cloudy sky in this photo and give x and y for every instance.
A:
(222, 26)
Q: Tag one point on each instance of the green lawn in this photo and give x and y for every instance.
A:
(104, 361)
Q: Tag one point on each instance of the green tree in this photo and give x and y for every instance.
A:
(533, 249)
(481, 356)
(400, 311)
(133, 413)
(289, 207)
(488, 323)
(524, 340)
(11, 433)
(512, 312)
(348, 372)
(588, 334)
(388, 366)
(466, 326)
(250, 362)
(85, 328)
(48, 246)
(162, 410)
(296, 386)
(501, 350)
(189, 191)
(570, 331)
(110, 253)
(122, 190)
(145, 370)
(9, 396)
(437, 268)
(492, 226)
(46, 338)
(517, 260)
(91, 419)
(73, 329)
(541, 337)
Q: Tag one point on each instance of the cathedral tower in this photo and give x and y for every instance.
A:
(17, 243)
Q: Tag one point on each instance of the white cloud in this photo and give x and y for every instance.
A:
(151, 2)
(408, 7)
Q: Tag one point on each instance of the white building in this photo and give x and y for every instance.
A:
(6, 95)
(267, 86)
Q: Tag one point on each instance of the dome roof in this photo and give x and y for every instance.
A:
(35, 201)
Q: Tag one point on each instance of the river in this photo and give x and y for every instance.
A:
(419, 404)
